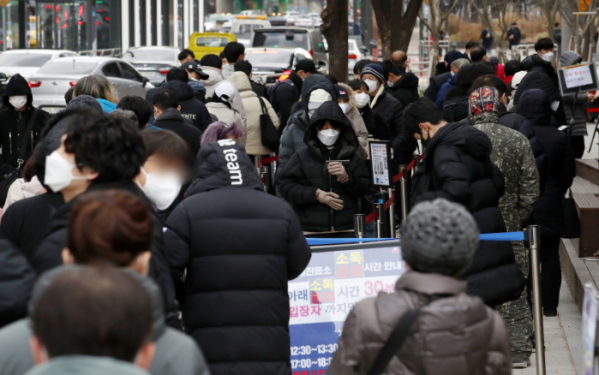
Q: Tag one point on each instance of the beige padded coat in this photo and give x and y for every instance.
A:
(456, 334)
(253, 110)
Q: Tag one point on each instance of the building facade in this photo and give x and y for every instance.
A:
(99, 24)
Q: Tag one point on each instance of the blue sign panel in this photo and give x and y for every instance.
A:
(323, 295)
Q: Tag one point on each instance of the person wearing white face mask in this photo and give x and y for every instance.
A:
(375, 124)
(348, 106)
(542, 60)
(167, 165)
(325, 180)
(383, 103)
(195, 75)
(20, 131)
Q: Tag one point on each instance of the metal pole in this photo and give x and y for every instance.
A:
(417, 158)
(379, 220)
(391, 213)
(403, 190)
(360, 225)
(534, 236)
(273, 171)
(264, 175)
(577, 49)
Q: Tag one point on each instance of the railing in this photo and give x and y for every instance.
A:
(114, 52)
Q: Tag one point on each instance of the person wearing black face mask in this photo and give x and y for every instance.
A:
(457, 166)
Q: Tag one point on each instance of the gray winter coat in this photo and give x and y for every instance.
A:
(573, 101)
(293, 135)
(454, 334)
(176, 353)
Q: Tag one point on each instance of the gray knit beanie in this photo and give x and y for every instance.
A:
(85, 101)
(439, 237)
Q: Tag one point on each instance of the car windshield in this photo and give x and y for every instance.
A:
(280, 39)
(269, 57)
(68, 67)
(149, 55)
(24, 59)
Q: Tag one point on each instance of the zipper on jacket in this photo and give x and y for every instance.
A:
(10, 141)
(332, 216)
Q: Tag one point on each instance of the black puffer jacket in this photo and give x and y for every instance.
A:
(283, 96)
(240, 247)
(375, 124)
(48, 254)
(14, 125)
(171, 119)
(455, 107)
(457, 167)
(16, 282)
(391, 110)
(306, 172)
(433, 88)
(191, 108)
(561, 168)
(405, 89)
(534, 63)
(519, 123)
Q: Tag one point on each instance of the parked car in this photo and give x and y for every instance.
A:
(243, 26)
(54, 78)
(268, 64)
(277, 21)
(290, 37)
(27, 61)
(291, 16)
(153, 62)
(304, 20)
(354, 54)
(206, 43)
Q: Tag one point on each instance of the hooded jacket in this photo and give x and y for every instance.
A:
(16, 282)
(15, 124)
(454, 334)
(446, 86)
(48, 254)
(107, 106)
(285, 94)
(227, 114)
(436, 82)
(171, 119)
(253, 109)
(306, 172)
(534, 63)
(561, 168)
(191, 108)
(176, 353)
(405, 89)
(293, 135)
(575, 104)
(457, 166)
(239, 247)
(215, 77)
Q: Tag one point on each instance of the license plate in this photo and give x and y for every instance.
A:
(148, 74)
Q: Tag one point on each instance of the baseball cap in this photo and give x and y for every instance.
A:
(193, 66)
(306, 65)
(225, 90)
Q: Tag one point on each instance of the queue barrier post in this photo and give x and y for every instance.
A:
(534, 237)
(360, 225)
(273, 170)
(403, 192)
(417, 158)
(382, 228)
(264, 174)
(391, 213)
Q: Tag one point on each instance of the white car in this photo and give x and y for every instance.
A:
(54, 79)
(27, 61)
(354, 54)
(153, 62)
(305, 20)
(291, 16)
(268, 63)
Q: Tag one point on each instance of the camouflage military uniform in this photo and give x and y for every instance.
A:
(513, 156)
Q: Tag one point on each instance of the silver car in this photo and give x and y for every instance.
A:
(153, 62)
(27, 61)
(54, 78)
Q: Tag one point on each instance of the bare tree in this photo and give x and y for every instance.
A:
(395, 28)
(335, 29)
(585, 23)
(435, 23)
(549, 8)
(506, 17)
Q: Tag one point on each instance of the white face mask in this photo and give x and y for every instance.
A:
(328, 137)
(161, 189)
(362, 99)
(344, 107)
(18, 101)
(59, 172)
(452, 73)
(390, 84)
(371, 85)
(548, 56)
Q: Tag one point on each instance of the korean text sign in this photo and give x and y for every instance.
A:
(323, 295)
(578, 76)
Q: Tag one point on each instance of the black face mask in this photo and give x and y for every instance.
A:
(423, 141)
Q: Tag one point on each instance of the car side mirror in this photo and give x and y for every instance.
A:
(321, 63)
(145, 81)
(3, 78)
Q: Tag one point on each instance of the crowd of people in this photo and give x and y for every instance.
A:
(137, 235)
